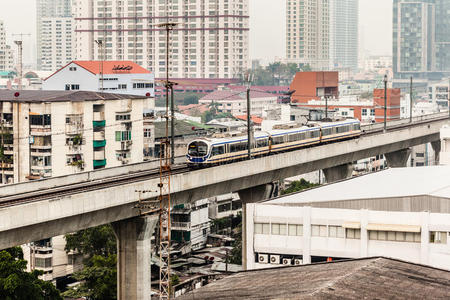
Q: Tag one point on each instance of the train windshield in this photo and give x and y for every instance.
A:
(198, 148)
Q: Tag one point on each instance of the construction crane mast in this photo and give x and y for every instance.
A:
(19, 44)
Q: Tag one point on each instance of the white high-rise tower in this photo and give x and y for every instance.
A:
(6, 53)
(209, 41)
(54, 33)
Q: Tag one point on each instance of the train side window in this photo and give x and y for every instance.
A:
(277, 140)
(262, 143)
(218, 150)
(293, 137)
(356, 127)
(234, 147)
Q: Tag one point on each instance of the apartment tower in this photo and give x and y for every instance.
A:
(54, 25)
(421, 40)
(210, 39)
(6, 53)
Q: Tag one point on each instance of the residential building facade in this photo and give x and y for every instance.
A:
(210, 39)
(420, 40)
(308, 33)
(6, 53)
(55, 34)
(235, 102)
(54, 133)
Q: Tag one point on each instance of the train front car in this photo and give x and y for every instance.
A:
(198, 153)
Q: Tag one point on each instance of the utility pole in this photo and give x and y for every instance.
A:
(449, 97)
(326, 108)
(100, 45)
(249, 124)
(385, 101)
(410, 99)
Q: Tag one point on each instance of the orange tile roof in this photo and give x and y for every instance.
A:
(255, 119)
(111, 67)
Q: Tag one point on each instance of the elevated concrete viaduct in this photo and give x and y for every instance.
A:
(37, 212)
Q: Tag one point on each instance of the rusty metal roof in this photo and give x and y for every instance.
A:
(59, 96)
(367, 278)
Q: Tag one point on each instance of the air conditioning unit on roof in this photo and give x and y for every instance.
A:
(275, 259)
(287, 261)
(298, 262)
(263, 258)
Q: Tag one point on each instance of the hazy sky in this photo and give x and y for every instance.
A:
(267, 26)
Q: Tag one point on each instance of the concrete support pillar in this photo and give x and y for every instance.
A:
(251, 195)
(133, 257)
(436, 145)
(398, 159)
(338, 172)
(424, 237)
(306, 254)
(364, 233)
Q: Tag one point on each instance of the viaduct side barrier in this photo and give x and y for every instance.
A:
(45, 218)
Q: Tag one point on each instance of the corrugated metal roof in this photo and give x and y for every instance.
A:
(368, 278)
(390, 183)
(60, 96)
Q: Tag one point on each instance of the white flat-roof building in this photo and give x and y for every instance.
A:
(400, 213)
(119, 77)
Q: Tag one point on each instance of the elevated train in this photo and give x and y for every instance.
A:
(204, 152)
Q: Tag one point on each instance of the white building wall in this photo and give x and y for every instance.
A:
(305, 245)
(73, 74)
(6, 53)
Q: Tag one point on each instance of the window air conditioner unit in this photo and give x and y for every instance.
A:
(275, 259)
(263, 258)
(287, 261)
(298, 262)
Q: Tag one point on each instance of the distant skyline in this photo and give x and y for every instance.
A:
(267, 26)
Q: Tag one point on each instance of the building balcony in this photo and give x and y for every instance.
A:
(74, 129)
(99, 155)
(99, 136)
(99, 143)
(40, 147)
(99, 116)
(99, 163)
(180, 225)
(40, 130)
(98, 124)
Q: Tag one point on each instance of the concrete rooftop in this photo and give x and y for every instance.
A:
(60, 96)
(390, 183)
(368, 278)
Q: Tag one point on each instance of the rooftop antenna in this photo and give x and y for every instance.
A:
(100, 45)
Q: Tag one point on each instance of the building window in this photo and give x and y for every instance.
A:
(351, 233)
(394, 236)
(142, 85)
(372, 112)
(123, 117)
(147, 132)
(123, 136)
(364, 112)
(336, 231)
(279, 229)
(262, 228)
(74, 87)
(295, 230)
(438, 237)
(122, 87)
(319, 230)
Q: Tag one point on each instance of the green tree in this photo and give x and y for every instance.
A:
(99, 279)
(92, 241)
(236, 252)
(190, 99)
(99, 275)
(17, 284)
(207, 116)
(297, 186)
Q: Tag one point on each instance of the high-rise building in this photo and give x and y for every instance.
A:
(54, 24)
(210, 39)
(308, 33)
(322, 33)
(344, 34)
(6, 53)
(421, 39)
